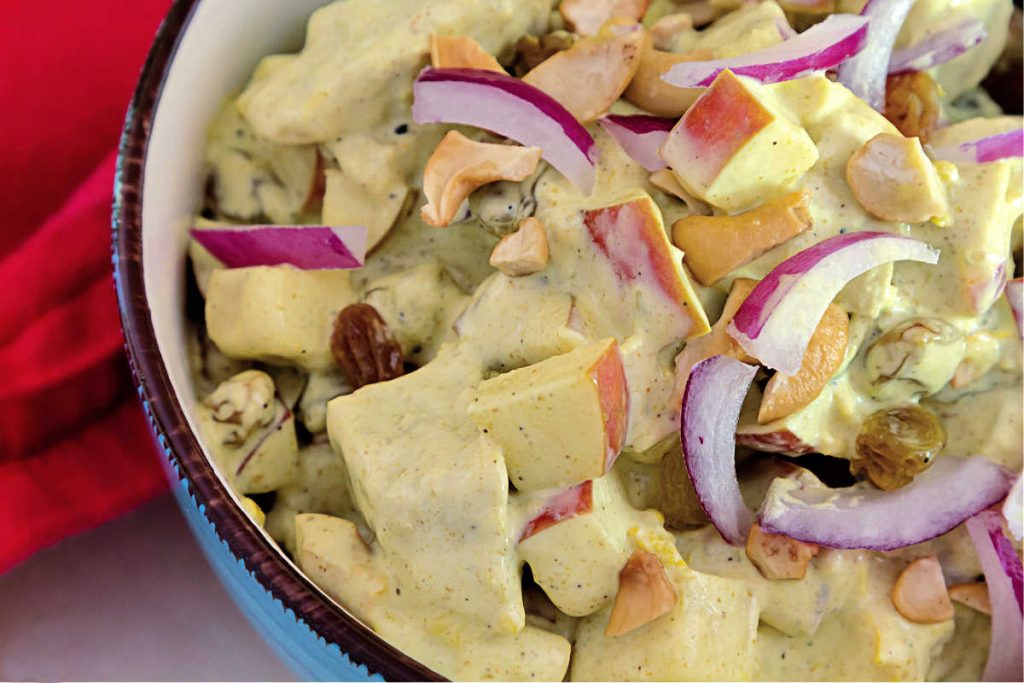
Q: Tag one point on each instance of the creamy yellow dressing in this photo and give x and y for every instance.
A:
(398, 503)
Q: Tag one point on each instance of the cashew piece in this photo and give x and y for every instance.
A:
(459, 165)
(524, 251)
(645, 593)
(920, 594)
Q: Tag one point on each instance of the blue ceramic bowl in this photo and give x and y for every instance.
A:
(204, 51)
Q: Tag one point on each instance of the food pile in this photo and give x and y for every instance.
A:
(630, 339)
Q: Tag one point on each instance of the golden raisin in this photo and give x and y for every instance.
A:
(897, 444)
(364, 347)
(912, 104)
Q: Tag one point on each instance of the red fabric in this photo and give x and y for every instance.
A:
(74, 448)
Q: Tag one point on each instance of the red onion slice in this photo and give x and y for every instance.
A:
(640, 137)
(509, 107)
(939, 47)
(1013, 509)
(776, 321)
(992, 148)
(865, 517)
(821, 47)
(308, 247)
(1003, 576)
(711, 410)
(865, 74)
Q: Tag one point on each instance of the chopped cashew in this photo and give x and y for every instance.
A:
(973, 595)
(592, 74)
(786, 394)
(461, 52)
(777, 556)
(459, 165)
(524, 251)
(920, 594)
(666, 29)
(245, 400)
(893, 180)
(654, 95)
(714, 246)
(645, 593)
(980, 355)
(665, 180)
(586, 17)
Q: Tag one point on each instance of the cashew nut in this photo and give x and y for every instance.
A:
(586, 17)
(714, 246)
(461, 52)
(645, 593)
(893, 180)
(523, 252)
(920, 594)
(459, 165)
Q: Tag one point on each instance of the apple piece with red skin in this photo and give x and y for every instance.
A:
(719, 148)
(631, 235)
(560, 421)
(577, 541)
(573, 501)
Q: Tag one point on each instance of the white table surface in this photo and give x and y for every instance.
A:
(131, 600)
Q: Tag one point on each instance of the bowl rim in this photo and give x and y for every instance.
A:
(244, 540)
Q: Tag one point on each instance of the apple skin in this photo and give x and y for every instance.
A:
(609, 377)
(631, 235)
(560, 421)
(721, 122)
(736, 129)
(577, 500)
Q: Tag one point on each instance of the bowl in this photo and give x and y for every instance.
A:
(204, 51)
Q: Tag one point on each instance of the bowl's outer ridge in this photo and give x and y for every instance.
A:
(316, 638)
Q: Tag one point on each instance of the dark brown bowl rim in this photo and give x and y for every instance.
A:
(243, 539)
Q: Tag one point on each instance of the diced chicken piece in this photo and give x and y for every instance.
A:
(277, 314)
(710, 634)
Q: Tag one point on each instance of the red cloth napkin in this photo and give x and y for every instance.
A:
(74, 446)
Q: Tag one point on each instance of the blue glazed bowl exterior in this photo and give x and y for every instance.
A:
(316, 638)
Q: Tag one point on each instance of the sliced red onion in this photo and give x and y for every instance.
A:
(861, 516)
(981, 151)
(1013, 509)
(1005, 580)
(865, 74)
(509, 107)
(711, 410)
(309, 247)
(1015, 295)
(640, 137)
(939, 47)
(775, 323)
(821, 47)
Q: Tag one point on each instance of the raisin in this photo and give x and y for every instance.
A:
(364, 347)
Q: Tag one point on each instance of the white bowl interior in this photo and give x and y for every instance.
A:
(222, 43)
